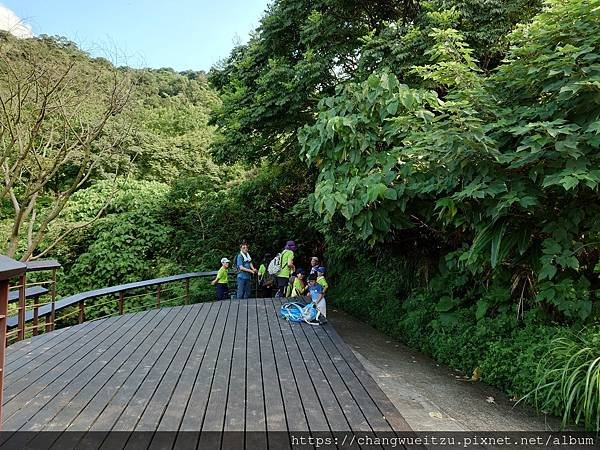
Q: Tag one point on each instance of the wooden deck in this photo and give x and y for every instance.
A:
(222, 366)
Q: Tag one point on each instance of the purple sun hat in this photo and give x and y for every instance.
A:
(290, 245)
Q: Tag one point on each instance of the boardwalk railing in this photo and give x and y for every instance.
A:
(9, 269)
(25, 290)
(22, 318)
(117, 298)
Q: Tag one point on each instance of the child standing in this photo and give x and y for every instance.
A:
(321, 279)
(317, 296)
(220, 282)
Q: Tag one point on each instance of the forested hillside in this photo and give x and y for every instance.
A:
(91, 150)
(443, 158)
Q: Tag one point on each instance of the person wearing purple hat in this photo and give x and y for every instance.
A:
(287, 267)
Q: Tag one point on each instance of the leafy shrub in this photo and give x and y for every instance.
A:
(131, 242)
(501, 167)
(265, 209)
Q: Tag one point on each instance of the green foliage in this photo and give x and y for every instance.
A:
(265, 209)
(130, 243)
(301, 50)
(170, 131)
(568, 378)
(484, 24)
(505, 165)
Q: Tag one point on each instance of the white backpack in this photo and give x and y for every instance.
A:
(275, 265)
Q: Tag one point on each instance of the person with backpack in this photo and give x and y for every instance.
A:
(286, 265)
(265, 279)
(243, 261)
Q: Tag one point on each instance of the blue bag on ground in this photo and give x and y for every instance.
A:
(297, 312)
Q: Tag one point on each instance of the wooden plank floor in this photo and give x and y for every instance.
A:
(222, 366)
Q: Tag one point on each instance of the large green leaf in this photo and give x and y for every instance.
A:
(445, 304)
(496, 243)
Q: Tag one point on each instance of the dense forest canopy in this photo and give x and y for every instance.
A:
(442, 156)
(270, 87)
(423, 123)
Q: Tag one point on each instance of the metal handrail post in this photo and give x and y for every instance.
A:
(22, 281)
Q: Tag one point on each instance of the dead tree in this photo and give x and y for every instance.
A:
(55, 105)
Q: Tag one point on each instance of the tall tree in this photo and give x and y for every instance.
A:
(303, 49)
(300, 52)
(503, 168)
(56, 105)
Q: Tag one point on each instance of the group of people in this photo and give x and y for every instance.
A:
(287, 281)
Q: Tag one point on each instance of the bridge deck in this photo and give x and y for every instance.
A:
(222, 366)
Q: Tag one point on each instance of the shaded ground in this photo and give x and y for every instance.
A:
(431, 396)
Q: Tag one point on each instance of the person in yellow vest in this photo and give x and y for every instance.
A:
(265, 279)
(299, 287)
(287, 267)
(321, 279)
(221, 280)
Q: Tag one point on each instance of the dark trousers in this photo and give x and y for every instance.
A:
(282, 283)
(222, 291)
